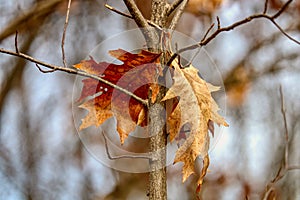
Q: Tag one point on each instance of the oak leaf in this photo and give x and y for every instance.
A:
(136, 74)
(197, 108)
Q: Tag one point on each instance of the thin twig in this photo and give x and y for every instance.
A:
(178, 14)
(284, 167)
(284, 33)
(129, 16)
(74, 71)
(193, 58)
(282, 9)
(16, 42)
(173, 6)
(122, 156)
(237, 24)
(179, 57)
(64, 34)
(286, 134)
(44, 71)
(117, 11)
(208, 30)
(266, 7)
(219, 23)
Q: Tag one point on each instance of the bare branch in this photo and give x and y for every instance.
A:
(266, 7)
(122, 156)
(45, 71)
(284, 167)
(178, 14)
(136, 13)
(284, 32)
(219, 23)
(237, 24)
(193, 58)
(174, 6)
(282, 9)
(286, 134)
(179, 57)
(129, 16)
(139, 19)
(118, 11)
(64, 34)
(73, 71)
(208, 30)
(16, 42)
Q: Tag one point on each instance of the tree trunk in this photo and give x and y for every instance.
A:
(157, 119)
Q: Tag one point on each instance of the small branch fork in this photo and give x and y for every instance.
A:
(178, 5)
(285, 167)
(205, 40)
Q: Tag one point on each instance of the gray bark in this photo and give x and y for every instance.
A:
(157, 119)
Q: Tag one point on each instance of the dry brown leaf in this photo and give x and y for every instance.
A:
(196, 107)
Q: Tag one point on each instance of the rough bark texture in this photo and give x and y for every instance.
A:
(157, 176)
(159, 11)
(156, 121)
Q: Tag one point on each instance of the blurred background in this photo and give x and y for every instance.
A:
(42, 157)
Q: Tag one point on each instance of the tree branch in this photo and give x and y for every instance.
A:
(178, 14)
(237, 24)
(73, 71)
(44, 71)
(109, 7)
(140, 21)
(282, 9)
(174, 6)
(286, 133)
(136, 13)
(16, 42)
(64, 34)
(284, 168)
(130, 17)
(207, 32)
(266, 7)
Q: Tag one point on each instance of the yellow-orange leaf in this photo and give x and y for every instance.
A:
(196, 108)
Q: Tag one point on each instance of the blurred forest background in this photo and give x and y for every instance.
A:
(41, 155)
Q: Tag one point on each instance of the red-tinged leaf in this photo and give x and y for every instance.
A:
(137, 74)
